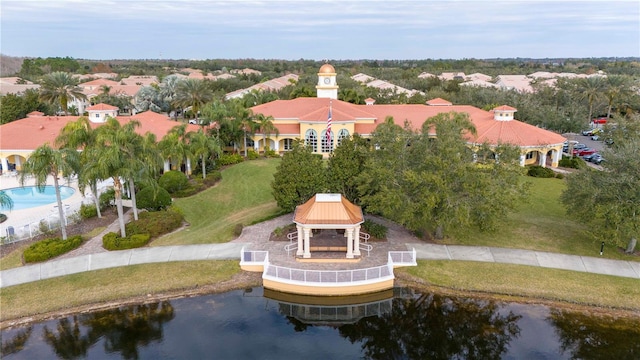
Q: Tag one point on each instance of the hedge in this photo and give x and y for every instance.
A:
(151, 200)
(230, 159)
(50, 248)
(540, 172)
(173, 181)
(112, 241)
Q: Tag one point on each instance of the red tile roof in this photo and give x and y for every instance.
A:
(439, 102)
(29, 133)
(102, 106)
(488, 130)
(505, 108)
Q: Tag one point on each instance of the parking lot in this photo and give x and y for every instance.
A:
(582, 139)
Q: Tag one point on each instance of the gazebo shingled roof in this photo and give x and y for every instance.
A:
(328, 209)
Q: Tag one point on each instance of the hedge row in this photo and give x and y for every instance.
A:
(230, 159)
(112, 241)
(50, 248)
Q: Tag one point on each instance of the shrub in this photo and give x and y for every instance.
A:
(252, 155)
(152, 200)
(374, 229)
(271, 153)
(212, 178)
(230, 159)
(559, 176)
(112, 241)
(107, 198)
(87, 211)
(189, 191)
(540, 172)
(156, 223)
(50, 248)
(237, 230)
(573, 163)
(173, 181)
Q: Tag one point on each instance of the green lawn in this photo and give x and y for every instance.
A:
(540, 224)
(243, 196)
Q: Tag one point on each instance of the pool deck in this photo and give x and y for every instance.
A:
(18, 219)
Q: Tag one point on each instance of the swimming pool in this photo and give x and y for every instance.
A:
(28, 197)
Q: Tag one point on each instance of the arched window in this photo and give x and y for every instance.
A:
(327, 143)
(311, 140)
(344, 133)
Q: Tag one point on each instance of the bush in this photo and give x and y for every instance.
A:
(212, 178)
(559, 176)
(252, 155)
(107, 198)
(573, 163)
(151, 200)
(156, 223)
(271, 153)
(189, 191)
(50, 248)
(540, 172)
(111, 241)
(173, 181)
(237, 230)
(88, 211)
(230, 159)
(374, 229)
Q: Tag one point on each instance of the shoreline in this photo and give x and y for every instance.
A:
(245, 279)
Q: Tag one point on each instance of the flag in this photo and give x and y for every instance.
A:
(329, 127)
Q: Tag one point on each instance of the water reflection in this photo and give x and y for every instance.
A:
(402, 324)
(586, 337)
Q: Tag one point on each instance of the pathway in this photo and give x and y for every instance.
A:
(91, 256)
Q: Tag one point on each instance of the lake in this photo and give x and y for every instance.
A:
(261, 324)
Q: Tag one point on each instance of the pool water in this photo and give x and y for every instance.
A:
(29, 196)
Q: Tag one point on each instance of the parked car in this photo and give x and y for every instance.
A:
(608, 141)
(589, 157)
(597, 159)
(583, 152)
(590, 132)
(595, 137)
(600, 120)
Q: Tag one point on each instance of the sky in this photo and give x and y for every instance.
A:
(317, 30)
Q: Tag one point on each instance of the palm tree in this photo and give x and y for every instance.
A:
(5, 200)
(194, 93)
(266, 126)
(615, 86)
(591, 88)
(105, 90)
(174, 145)
(78, 135)
(58, 87)
(203, 145)
(168, 90)
(45, 161)
(242, 120)
(114, 154)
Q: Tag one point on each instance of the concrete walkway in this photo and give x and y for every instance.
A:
(91, 256)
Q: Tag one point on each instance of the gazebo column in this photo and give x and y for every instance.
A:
(356, 246)
(300, 251)
(307, 247)
(349, 243)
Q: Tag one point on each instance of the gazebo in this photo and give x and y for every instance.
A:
(328, 212)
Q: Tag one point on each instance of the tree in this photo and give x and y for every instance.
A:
(615, 87)
(609, 200)
(116, 156)
(591, 89)
(192, 93)
(430, 182)
(58, 87)
(203, 146)
(241, 122)
(299, 176)
(175, 147)
(346, 163)
(5, 200)
(78, 135)
(46, 161)
(265, 124)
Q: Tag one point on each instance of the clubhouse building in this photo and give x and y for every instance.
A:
(307, 118)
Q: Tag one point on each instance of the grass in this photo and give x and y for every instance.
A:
(525, 281)
(111, 284)
(243, 196)
(540, 224)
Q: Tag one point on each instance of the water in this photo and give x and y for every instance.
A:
(253, 324)
(29, 196)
